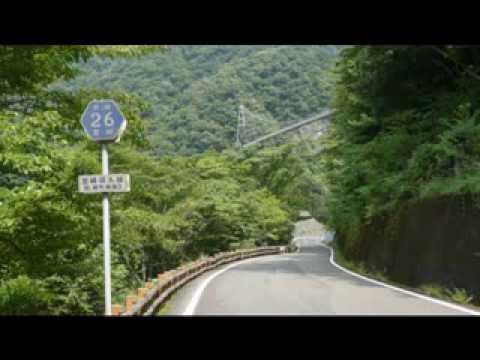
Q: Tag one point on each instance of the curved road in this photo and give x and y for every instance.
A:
(302, 283)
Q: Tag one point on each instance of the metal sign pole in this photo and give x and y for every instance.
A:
(106, 236)
(104, 123)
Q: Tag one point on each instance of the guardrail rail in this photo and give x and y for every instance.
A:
(154, 294)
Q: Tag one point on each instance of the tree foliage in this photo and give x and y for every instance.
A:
(195, 91)
(180, 207)
(407, 128)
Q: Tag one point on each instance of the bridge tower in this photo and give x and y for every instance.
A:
(240, 124)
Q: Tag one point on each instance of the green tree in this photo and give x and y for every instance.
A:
(406, 129)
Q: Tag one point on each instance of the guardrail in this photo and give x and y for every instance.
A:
(153, 295)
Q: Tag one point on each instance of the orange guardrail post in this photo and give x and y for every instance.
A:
(142, 292)
(131, 300)
(116, 309)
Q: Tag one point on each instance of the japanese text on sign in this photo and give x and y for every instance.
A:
(104, 183)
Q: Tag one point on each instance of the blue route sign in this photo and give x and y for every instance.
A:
(103, 121)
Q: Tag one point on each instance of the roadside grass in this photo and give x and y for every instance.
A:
(461, 296)
(432, 290)
(455, 295)
(360, 268)
(163, 310)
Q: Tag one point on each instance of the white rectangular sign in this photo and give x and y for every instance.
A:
(92, 184)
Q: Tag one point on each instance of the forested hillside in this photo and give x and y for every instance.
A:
(195, 91)
(406, 141)
(407, 131)
(397, 176)
(180, 207)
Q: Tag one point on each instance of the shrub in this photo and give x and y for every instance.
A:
(433, 290)
(24, 296)
(460, 296)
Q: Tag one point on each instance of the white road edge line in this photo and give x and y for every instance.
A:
(192, 305)
(424, 297)
(190, 309)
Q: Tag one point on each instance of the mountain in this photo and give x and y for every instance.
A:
(195, 91)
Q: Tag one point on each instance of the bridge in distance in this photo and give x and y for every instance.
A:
(296, 126)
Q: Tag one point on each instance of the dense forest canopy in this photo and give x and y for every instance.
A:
(195, 91)
(181, 207)
(407, 129)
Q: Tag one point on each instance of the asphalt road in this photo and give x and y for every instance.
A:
(303, 283)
